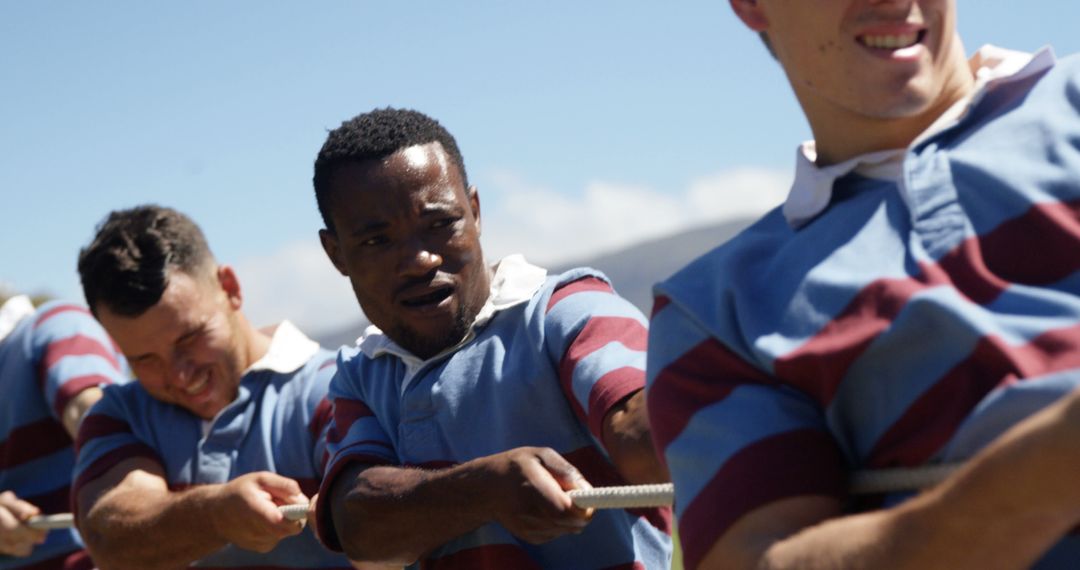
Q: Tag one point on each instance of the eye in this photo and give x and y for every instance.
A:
(373, 241)
(146, 365)
(444, 222)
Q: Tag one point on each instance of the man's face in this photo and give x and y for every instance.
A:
(879, 59)
(186, 349)
(407, 234)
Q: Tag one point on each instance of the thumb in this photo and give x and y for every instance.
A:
(282, 489)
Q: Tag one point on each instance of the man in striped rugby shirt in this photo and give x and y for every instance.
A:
(53, 362)
(915, 302)
(482, 393)
(191, 462)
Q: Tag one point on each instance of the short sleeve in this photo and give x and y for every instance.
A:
(319, 409)
(74, 353)
(105, 440)
(732, 437)
(597, 340)
(353, 436)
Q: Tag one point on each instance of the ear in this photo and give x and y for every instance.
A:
(474, 204)
(750, 12)
(230, 285)
(333, 251)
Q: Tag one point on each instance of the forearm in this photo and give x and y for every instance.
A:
(138, 528)
(628, 441)
(1005, 509)
(393, 514)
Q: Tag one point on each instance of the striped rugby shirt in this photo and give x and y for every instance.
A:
(48, 358)
(275, 424)
(545, 361)
(908, 321)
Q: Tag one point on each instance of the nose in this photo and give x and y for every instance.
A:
(418, 259)
(182, 370)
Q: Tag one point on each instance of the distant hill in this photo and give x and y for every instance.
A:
(633, 270)
(335, 338)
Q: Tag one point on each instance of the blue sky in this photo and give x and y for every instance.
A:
(587, 125)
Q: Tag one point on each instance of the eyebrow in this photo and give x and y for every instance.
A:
(191, 332)
(369, 227)
(442, 208)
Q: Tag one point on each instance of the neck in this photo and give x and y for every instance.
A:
(841, 134)
(256, 343)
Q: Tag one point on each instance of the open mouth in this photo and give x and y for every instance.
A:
(433, 298)
(198, 385)
(892, 41)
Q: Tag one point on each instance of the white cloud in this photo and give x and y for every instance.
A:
(549, 227)
(297, 282)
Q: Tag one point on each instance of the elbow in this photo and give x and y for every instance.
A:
(369, 537)
(638, 463)
(108, 552)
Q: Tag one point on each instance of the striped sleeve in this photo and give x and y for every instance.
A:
(733, 439)
(353, 436)
(73, 353)
(597, 340)
(105, 440)
(321, 411)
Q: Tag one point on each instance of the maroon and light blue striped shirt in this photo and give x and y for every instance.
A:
(46, 360)
(546, 361)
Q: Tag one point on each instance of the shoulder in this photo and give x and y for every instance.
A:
(730, 265)
(314, 377)
(62, 317)
(580, 291)
(129, 400)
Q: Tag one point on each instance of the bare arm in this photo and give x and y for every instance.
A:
(1004, 509)
(130, 519)
(628, 441)
(77, 407)
(17, 539)
(392, 514)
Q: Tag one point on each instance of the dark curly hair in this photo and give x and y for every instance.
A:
(374, 135)
(126, 266)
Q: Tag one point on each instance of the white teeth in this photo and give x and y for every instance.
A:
(194, 388)
(890, 42)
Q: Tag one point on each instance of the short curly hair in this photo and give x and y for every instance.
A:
(374, 135)
(126, 266)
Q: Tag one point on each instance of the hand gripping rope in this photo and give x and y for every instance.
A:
(644, 496)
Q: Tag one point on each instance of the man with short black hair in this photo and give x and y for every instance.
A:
(481, 394)
(915, 302)
(224, 425)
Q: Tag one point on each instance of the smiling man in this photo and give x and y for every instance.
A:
(190, 463)
(482, 393)
(916, 301)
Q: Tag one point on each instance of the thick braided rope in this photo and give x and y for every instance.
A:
(644, 496)
(51, 522)
(296, 512)
(874, 481)
(625, 497)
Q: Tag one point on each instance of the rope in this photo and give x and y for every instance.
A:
(644, 496)
(51, 522)
(625, 497)
(876, 481)
(294, 512)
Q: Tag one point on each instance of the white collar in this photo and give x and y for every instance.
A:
(515, 281)
(811, 191)
(14, 310)
(289, 350)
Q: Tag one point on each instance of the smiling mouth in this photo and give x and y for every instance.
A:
(892, 41)
(433, 298)
(198, 385)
